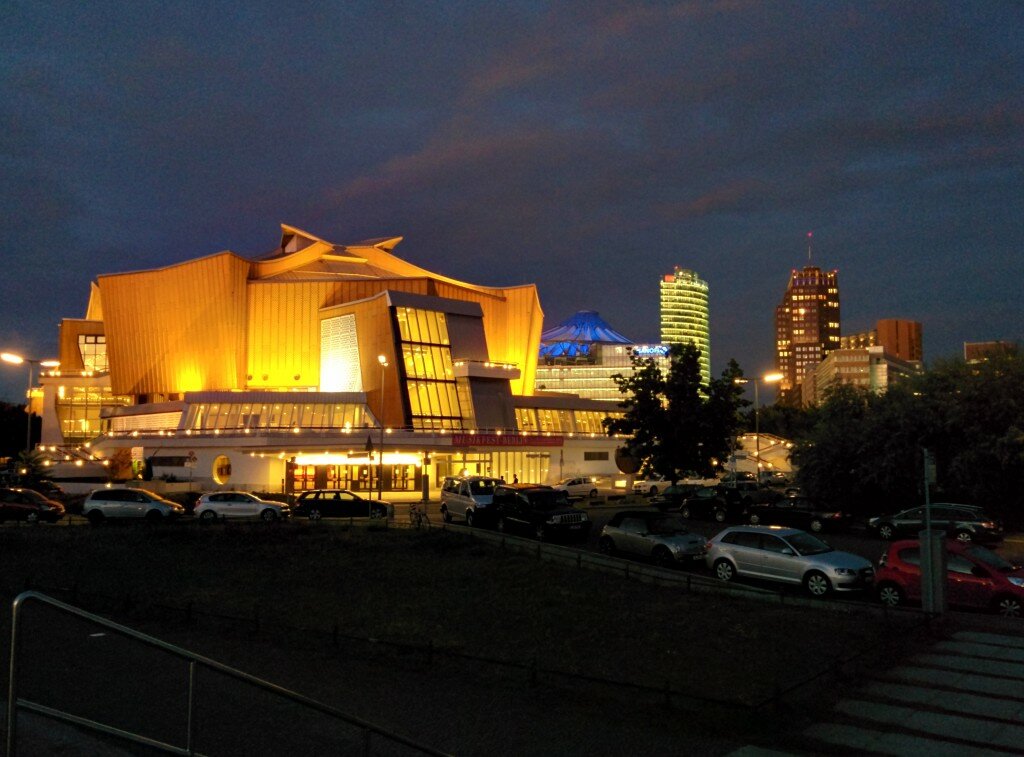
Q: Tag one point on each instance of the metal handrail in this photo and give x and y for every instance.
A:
(14, 702)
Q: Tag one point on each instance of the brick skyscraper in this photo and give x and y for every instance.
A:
(806, 324)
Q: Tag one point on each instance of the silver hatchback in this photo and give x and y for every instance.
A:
(122, 502)
(787, 555)
(660, 537)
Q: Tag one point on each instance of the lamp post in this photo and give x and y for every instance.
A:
(768, 378)
(13, 359)
(380, 471)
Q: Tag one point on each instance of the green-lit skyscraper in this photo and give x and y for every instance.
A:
(684, 314)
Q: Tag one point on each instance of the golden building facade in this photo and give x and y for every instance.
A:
(300, 367)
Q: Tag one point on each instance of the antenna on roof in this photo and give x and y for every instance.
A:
(810, 237)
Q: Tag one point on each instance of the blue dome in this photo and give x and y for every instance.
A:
(574, 335)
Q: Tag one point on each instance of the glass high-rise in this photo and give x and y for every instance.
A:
(684, 314)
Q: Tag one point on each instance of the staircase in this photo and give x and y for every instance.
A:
(962, 696)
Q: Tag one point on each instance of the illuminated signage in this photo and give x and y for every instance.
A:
(505, 440)
(651, 350)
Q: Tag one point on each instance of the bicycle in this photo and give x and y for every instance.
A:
(418, 515)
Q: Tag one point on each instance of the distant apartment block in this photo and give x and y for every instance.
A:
(975, 352)
(900, 338)
(870, 368)
(684, 314)
(806, 326)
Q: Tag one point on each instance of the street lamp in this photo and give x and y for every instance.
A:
(380, 472)
(13, 359)
(768, 378)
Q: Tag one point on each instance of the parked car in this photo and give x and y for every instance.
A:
(230, 505)
(122, 502)
(650, 486)
(773, 478)
(798, 512)
(339, 503)
(976, 577)
(467, 497)
(671, 499)
(48, 489)
(579, 486)
(751, 493)
(743, 475)
(787, 555)
(964, 523)
(538, 511)
(660, 537)
(25, 504)
(718, 503)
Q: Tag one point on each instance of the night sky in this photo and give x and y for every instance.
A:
(585, 147)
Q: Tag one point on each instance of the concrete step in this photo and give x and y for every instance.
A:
(869, 741)
(963, 696)
(973, 731)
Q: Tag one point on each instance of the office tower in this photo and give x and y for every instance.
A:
(684, 315)
(806, 325)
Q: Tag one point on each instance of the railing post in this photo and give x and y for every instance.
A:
(12, 684)
(190, 722)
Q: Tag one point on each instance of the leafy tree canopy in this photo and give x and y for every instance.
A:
(674, 423)
(863, 452)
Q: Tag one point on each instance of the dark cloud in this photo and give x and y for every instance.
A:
(586, 147)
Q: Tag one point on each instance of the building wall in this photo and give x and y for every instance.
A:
(69, 330)
(870, 368)
(177, 329)
(901, 338)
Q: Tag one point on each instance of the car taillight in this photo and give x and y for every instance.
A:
(835, 516)
(988, 524)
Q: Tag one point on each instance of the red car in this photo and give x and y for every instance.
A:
(25, 504)
(975, 577)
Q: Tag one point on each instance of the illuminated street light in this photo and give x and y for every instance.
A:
(380, 472)
(768, 378)
(13, 359)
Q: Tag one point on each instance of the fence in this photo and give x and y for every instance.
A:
(194, 663)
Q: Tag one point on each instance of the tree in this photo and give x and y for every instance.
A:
(642, 403)
(674, 424)
(724, 415)
(864, 451)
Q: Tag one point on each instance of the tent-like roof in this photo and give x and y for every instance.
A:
(586, 326)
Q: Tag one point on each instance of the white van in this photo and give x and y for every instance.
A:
(467, 497)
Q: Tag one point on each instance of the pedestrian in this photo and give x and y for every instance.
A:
(515, 478)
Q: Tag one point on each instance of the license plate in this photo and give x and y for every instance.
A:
(576, 527)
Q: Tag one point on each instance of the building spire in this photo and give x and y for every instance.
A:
(810, 238)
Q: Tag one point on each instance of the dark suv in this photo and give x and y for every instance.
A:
(538, 511)
(965, 523)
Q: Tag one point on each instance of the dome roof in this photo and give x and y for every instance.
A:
(586, 327)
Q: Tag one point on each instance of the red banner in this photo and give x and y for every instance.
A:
(505, 440)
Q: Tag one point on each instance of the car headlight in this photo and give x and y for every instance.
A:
(845, 571)
(1016, 580)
